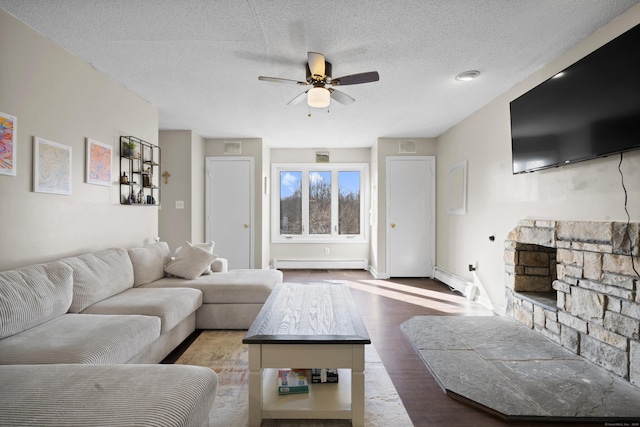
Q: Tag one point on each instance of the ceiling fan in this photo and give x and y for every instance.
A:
(319, 76)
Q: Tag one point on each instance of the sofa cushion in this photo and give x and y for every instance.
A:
(106, 395)
(98, 276)
(190, 262)
(148, 262)
(32, 295)
(232, 287)
(81, 338)
(171, 305)
(207, 247)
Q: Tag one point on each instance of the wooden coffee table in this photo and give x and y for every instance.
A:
(307, 326)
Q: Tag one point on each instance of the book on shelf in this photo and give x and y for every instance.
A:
(292, 381)
(321, 376)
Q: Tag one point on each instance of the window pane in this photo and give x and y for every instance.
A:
(320, 202)
(291, 202)
(349, 202)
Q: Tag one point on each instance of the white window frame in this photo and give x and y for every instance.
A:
(305, 168)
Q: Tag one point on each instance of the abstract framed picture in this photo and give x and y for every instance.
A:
(98, 163)
(51, 167)
(8, 148)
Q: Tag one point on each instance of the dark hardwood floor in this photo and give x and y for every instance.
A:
(384, 305)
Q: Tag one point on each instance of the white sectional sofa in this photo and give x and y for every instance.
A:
(118, 309)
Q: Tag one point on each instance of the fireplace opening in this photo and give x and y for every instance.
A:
(534, 273)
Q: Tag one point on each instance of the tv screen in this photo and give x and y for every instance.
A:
(589, 110)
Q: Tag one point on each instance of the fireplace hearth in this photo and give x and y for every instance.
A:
(575, 283)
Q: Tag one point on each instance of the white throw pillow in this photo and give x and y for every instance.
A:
(190, 262)
(207, 247)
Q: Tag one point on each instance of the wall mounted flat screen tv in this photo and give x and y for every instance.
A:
(589, 110)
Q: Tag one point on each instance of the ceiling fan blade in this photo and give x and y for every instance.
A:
(354, 79)
(279, 80)
(316, 64)
(341, 97)
(298, 99)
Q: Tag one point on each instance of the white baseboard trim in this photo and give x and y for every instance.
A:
(377, 275)
(333, 264)
(468, 289)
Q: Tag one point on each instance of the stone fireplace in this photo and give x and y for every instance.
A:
(575, 283)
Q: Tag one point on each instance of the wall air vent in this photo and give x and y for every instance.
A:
(407, 147)
(233, 147)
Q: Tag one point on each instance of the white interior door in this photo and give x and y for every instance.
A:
(410, 216)
(229, 209)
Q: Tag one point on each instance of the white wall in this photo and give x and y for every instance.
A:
(58, 97)
(497, 199)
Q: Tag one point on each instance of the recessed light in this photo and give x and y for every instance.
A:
(468, 75)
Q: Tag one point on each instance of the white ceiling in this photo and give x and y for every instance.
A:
(198, 61)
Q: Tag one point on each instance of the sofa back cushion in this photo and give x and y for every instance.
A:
(98, 276)
(32, 295)
(148, 262)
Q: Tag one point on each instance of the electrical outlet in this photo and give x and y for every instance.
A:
(179, 204)
(326, 251)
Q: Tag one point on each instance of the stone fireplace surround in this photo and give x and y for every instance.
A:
(574, 283)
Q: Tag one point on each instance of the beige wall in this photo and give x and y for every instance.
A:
(497, 199)
(58, 97)
(183, 158)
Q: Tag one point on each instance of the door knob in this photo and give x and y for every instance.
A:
(393, 225)
(246, 226)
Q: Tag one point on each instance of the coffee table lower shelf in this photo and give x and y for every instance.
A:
(328, 401)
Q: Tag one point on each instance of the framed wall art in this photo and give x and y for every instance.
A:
(51, 167)
(457, 189)
(8, 148)
(99, 157)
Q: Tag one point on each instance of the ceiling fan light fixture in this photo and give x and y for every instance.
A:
(318, 97)
(468, 75)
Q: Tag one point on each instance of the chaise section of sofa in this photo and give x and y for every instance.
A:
(106, 395)
(231, 300)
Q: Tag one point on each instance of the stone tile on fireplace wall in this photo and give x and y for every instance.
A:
(620, 264)
(570, 339)
(634, 359)
(623, 235)
(584, 231)
(609, 357)
(608, 337)
(623, 325)
(588, 305)
(592, 265)
(607, 289)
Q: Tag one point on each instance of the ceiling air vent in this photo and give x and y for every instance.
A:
(233, 147)
(407, 147)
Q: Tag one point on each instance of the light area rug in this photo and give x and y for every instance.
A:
(224, 352)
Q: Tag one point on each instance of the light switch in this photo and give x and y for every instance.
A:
(179, 204)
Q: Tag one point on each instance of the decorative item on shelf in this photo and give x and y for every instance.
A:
(129, 149)
(124, 179)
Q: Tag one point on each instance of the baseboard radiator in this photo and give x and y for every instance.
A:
(468, 289)
(325, 264)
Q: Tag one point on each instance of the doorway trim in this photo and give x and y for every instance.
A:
(432, 209)
(209, 160)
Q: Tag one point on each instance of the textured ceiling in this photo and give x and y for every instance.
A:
(198, 61)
